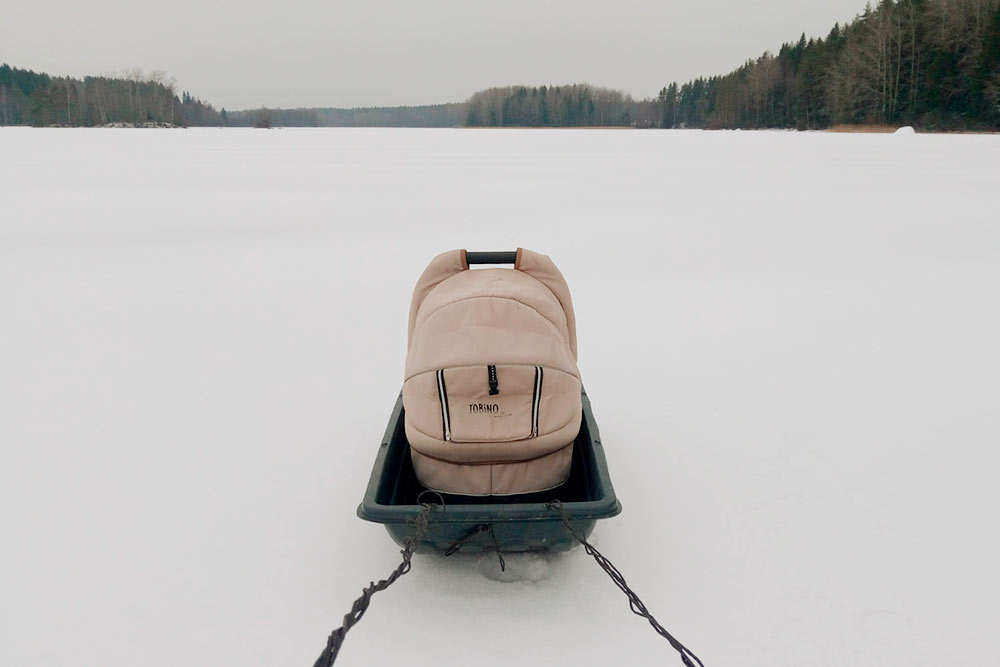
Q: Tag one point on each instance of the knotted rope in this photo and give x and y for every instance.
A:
(638, 608)
(360, 606)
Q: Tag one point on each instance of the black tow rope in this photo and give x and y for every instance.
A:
(638, 608)
(360, 606)
(336, 639)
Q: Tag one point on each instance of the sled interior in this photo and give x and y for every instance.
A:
(519, 523)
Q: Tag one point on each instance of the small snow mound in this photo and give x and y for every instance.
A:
(906, 129)
(519, 567)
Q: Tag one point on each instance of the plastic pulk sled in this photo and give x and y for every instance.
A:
(492, 445)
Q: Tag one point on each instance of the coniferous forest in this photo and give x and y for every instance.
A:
(934, 64)
(134, 98)
(930, 63)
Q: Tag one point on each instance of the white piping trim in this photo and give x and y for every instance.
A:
(443, 396)
(535, 401)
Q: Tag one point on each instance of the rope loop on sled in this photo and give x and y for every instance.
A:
(638, 608)
(471, 534)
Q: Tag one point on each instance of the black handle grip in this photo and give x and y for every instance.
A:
(491, 257)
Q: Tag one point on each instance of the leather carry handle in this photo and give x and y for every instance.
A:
(507, 257)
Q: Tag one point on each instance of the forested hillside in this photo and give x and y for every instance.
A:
(930, 63)
(30, 98)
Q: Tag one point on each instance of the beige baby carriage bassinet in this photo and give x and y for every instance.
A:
(491, 392)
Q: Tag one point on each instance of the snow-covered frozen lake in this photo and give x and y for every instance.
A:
(790, 341)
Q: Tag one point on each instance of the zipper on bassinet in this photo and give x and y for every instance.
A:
(491, 372)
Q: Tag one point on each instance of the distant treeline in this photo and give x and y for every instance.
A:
(930, 63)
(558, 106)
(135, 98)
(30, 98)
(434, 115)
(578, 105)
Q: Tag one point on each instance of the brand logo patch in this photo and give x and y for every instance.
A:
(484, 408)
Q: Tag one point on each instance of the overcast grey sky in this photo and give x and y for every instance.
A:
(391, 52)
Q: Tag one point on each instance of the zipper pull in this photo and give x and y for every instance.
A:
(494, 383)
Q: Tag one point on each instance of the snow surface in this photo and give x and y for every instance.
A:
(790, 340)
